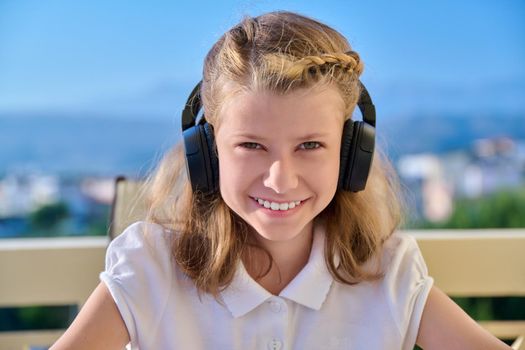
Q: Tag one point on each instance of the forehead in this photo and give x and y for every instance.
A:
(302, 110)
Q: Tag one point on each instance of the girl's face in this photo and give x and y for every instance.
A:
(280, 152)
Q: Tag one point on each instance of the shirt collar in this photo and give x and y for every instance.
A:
(309, 288)
(243, 294)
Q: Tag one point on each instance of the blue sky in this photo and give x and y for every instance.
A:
(55, 54)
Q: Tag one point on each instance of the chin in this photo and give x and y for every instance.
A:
(277, 233)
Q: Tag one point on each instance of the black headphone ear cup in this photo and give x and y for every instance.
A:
(346, 148)
(200, 157)
(213, 157)
(360, 156)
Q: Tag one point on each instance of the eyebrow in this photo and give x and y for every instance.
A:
(310, 136)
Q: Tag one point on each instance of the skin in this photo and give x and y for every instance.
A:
(98, 325)
(282, 164)
(266, 150)
(444, 325)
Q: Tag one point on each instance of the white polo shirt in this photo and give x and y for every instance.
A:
(162, 310)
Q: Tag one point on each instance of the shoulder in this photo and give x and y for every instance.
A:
(400, 245)
(142, 233)
(401, 250)
(402, 262)
(141, 249)
(406, 283)
(139, 273)
(145, 236)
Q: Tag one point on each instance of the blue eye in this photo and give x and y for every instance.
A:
(250, 145)
(310, 145)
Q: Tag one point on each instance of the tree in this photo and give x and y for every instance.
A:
(49, 216)
(503, 209)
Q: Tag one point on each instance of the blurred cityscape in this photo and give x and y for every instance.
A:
(38, 204)
(57, 173)
(44, 199)
(436, 182)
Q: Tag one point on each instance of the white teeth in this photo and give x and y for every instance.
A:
(277, 206)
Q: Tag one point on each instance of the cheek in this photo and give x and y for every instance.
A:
(324, 175)
(234, 176)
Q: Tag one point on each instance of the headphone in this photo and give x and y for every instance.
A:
(202, 163)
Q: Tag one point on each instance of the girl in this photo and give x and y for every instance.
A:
(259, 233)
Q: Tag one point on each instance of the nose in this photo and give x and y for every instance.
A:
(281, 176)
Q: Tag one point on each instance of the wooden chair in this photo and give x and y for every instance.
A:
(128, 205)
(47, 272)
(479, 263)
(58, 271)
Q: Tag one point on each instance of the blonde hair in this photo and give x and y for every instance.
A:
(279, 52)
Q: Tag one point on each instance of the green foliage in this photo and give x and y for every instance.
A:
(36, 317)
(98, 224)
(504, 209)
(57, 220)
(491, 308)
(49, 216)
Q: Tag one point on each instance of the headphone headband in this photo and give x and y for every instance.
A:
(192, 107)
(194, 104)
(367, 108)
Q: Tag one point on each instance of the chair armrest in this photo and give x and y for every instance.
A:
(519, 343)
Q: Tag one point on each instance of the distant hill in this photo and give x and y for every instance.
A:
(107, 145)
(164, 100)
(83, 145)
(404, 99)
(445, 133)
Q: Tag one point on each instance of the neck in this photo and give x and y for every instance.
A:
(289, 258)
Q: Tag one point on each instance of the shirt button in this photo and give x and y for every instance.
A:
(275, 344)
(275, 306)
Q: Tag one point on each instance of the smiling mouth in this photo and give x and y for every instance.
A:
(277, 206)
